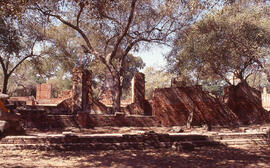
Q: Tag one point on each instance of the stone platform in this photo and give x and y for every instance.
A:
(139, 141)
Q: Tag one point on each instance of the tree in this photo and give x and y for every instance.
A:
(233, 42)
(120, 26)
(65, 52)
(16, 45)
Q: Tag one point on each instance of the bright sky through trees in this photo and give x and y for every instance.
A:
(154, 56)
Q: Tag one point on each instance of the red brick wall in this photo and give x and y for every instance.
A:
(172, 107)
(43, 91)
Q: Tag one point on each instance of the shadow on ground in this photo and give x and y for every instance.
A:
(201, 157)
(218, 156)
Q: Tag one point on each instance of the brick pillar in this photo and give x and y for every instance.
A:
(81, 89)
(138, 88)
(43, 91)
(139, 104)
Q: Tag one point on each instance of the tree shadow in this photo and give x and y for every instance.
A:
(215, 155)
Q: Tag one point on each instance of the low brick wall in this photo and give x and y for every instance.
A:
(148, 140)
(86, 120)
(170, 107)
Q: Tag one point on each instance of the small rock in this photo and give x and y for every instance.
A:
(176, 129)
(207, 127)
(68, 133)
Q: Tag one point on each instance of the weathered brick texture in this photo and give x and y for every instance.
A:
(246, 103)
(172, 106)
(81, 89)
(43, 91)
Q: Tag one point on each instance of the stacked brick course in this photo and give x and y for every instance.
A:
(43, 91)
(81, 89)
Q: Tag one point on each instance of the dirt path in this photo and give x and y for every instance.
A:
(201, 157)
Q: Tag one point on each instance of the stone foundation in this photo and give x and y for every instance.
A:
(147, 140)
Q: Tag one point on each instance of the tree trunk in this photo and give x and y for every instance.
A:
(117, 92)
(5, 83)
(117, 99)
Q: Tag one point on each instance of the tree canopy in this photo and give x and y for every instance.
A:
(233, 42)
(213, 41)
(17, 44)
(118, 27)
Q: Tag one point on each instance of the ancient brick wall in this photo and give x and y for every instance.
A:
(43, 91)
(65, 94)
(246, 103)
(35, 119)
(172, 106)
(139, 105)
(138, 88)
(81, 89)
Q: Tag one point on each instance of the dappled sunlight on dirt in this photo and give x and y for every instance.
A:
(201, 157)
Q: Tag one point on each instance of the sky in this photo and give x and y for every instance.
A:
(154, 56)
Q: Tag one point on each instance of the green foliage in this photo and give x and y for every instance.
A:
(215, 87)
(156, 78)
(17, 44)
(9, 38)
(64, 51)
(59, 85)
(231, 42)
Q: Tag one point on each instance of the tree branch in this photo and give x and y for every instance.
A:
(124, 33)
(77, 28)
(22, 60)
(3, 64)
(79, 14)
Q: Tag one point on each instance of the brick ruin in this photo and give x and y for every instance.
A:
(172, 106)
(168, 107)
(43, 91)
(246, 103)
(81, 89)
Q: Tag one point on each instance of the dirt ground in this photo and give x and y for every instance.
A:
(201, 157)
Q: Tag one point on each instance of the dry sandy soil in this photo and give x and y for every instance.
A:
(201, 157)
(221, 156)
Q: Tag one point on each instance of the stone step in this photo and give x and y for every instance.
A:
(222, 136)
(97, 146)
(72, 141)
(245, 141)
(128, 145)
